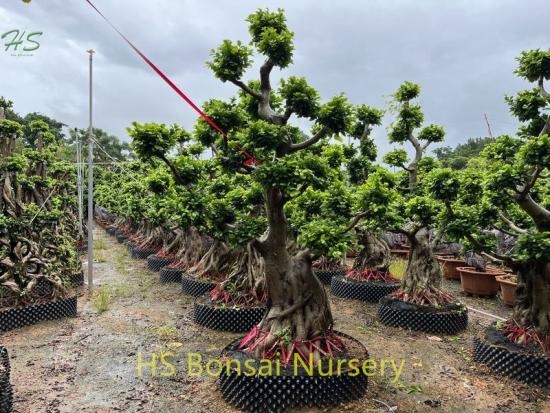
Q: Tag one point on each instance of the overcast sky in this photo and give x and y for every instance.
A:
(461, 52)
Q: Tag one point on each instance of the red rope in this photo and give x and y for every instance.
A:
(250, 160)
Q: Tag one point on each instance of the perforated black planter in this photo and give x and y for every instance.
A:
(169, 275)
(194, 287)
(32, 314)
(156, 263)
(121, 237)
(129, 246)
(326, 276)
(83, 249)
(235, 320)
(111, 231)
(76, 279)
(284, 392)
(361, 290)
(396, 313)
(510, 359)
(5, 386)
(143, 253)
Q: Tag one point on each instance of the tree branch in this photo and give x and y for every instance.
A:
(509, 222)
(543, 91)
(314, 139)
(356, 221)
(247, 89)
(265, 84)
(539, 214)
(484, 249)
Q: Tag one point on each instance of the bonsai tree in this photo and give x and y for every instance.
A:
(280, 158)
(228, 209)
(375, 252)
(396, 202)
(508, 189)
(38, 228)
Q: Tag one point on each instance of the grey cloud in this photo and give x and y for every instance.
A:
(462, 53)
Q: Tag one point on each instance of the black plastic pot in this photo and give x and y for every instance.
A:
(32, 314)
(168, 275)
(76, 279)
(511, 360)
(194, 287)
(111, 231)
(6, 393)
(156, 263)
(396, 313)
(287, 391)
(370, 292)
(83, 249)
(129, 246)
(326, 276)
(234, 320)
(143, 253)
(121, 237)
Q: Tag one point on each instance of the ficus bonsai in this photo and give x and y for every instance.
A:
(507, 189)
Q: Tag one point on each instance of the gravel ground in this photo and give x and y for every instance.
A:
(89, 363)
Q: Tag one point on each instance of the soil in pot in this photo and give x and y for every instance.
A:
(482, 283)
(508, 284)
(450, 265)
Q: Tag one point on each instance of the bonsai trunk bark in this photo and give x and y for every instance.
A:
(533, 296)
(298, 303)
(247, 271)
(423, 271)
(375, 254)
(214, 263)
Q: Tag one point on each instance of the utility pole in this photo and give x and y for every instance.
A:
(488, 126)
(79, 182)
(90, 189)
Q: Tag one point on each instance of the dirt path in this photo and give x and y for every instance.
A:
(89, 364)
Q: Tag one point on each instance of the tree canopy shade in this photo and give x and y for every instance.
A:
(507, 188)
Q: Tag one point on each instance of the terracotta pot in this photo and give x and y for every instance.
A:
(450, 265)
(479, 282)
(507, 289)
(401, 253)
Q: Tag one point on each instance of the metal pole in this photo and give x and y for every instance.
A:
(79, 182)
(90, 190)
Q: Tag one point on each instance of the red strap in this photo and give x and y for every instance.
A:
(249, 158)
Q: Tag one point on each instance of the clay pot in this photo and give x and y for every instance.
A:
(479, 282)
(450, 265)
(508, 287)
(400, 253)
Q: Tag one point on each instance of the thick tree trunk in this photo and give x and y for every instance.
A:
(299, 306)
(532, 307)
(375, 254)
(247, 271)
(215, 263)
(423, 273)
